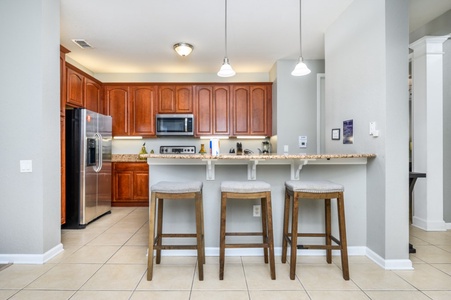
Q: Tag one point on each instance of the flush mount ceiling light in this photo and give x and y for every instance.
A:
(226, 69)
(183, 49)
(301, 68)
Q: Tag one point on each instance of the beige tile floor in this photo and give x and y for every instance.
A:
(107, 260)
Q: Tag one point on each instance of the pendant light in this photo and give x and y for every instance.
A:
(226, 69)
(301, 68)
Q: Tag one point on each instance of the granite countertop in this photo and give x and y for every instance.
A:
(127, 158)
(258, 157)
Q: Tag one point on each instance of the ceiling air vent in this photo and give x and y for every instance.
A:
(82, 44)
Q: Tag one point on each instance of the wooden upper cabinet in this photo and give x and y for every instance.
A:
(175, 99)
(241, 106)
(212, 107)
(117, 106)
(93, 94)
(221, 110)
(203, 107)
(74, 88)
(252, 110)
(143, 110)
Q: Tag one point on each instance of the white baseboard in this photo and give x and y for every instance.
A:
(448, 226)
(429, 225)
(395, 264)
(389, 264)
(35, 259)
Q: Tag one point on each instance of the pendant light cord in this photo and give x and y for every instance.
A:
(225, 44)
(300, 27)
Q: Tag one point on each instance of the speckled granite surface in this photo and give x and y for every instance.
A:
(266, 157)
(127, 158)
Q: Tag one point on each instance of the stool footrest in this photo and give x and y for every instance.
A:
(246, 246)
(323, 247)
(175, 247)
(177, 235)
(244, 234)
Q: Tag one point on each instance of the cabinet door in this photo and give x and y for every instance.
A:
(93, 95)
(241, 114)
(259, 117)
(142, 110)
(74, 89)
(221, 110)
(141, 186)
(175, 99)
(166, 99)
(203, 116)
(184, 99)
(116, 105)
(252, 110)
(123, 186)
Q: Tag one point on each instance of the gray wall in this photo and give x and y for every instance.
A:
(29, 128)
(447, 130)
(295, 99)
(439, 27)
(366, 80)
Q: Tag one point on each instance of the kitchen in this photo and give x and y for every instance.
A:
(385, 174)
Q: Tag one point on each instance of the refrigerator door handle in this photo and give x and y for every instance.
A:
(98, 166)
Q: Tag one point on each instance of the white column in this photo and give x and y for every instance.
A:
(427, 133)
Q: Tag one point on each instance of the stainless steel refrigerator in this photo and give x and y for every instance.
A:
(88, 167)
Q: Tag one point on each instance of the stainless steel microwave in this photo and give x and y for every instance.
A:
(175, 124)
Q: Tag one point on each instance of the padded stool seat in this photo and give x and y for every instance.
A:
(248, 190)
(166, 190)
(320, 190)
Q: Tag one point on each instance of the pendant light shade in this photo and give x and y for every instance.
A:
(301, 68)
(183, 49)
(226, 69)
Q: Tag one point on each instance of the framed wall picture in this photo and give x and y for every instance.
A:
(348, 132)
(336, 134)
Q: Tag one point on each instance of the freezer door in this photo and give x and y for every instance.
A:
(105, 174)
(89, 176)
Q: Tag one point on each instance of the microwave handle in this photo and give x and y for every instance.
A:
(186, 124)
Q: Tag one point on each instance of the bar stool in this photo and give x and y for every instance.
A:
(314, 190)
(248, 190)
(165, 190)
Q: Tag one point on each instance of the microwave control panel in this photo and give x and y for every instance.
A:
(177, 149)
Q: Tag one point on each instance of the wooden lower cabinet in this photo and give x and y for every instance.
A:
(130, 184)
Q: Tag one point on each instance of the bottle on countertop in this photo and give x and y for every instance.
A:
(143, 151)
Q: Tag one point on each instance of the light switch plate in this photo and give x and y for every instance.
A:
(372, 127)
(26, 166)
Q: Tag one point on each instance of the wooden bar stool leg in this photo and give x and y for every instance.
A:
(343, 241)
(152, 213)
(328, 228)
(270, 236)
(222, 235)
(286, 217)
(264, 216)
(294, 235)
(200, 258)
(159, 230)
(202, 227)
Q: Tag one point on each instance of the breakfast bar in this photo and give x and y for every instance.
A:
(346, 169)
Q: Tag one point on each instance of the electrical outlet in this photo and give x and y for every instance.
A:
(302, 141)
(257, 210)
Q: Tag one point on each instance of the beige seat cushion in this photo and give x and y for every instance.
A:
(321, 186)
(245, 186)
(177, 187)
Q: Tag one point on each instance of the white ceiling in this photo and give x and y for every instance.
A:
(137, 36)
